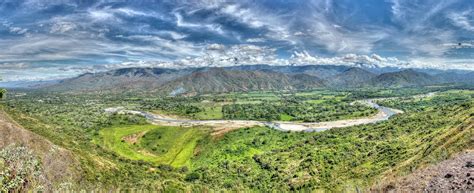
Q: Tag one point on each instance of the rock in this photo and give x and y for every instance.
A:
(469, 164)
(448, 175)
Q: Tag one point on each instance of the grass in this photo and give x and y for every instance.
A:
(209, 112)
(285, 117)
(319, 101)
(156, 144)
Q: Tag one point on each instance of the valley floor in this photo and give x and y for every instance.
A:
(227, 125)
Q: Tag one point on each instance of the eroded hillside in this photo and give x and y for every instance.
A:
(58, 165)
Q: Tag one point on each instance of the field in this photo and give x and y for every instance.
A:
(159, 145)
(124, 150)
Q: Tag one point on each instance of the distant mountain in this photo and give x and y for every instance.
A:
(459, 77)
(27, 84)
(121, 79)
(253, 78)
(353, 77)
(214, 80)
(321, 71)
(404, 78)
(305, 81)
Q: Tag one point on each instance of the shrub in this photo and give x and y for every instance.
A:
(20, 169)
(192, 176)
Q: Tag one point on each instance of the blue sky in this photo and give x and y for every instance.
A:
(47, 39)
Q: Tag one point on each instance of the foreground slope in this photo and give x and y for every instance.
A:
(454, 174)
(58, 164)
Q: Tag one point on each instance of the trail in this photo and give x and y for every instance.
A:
(223, 126)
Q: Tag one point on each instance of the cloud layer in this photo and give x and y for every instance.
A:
(69, 37)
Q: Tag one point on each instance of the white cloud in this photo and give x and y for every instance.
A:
(18, 30)
(442, 63)
(218, 55)
(132, 12)
(180, 22)
(255, 40)
(62, 27)
(304, 58)
(101, 15)
(298, 33)
(396, 9)
(426, 30)
(421, 33)
(464, 20)
(460, 45)
(16, 65)
(37, 74)
(174, 35)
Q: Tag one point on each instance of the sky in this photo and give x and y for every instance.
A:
(53, 39)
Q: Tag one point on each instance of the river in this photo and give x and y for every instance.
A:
(384, 113)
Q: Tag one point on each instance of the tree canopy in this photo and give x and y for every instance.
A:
(3, 93)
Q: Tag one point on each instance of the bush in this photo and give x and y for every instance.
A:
(20, 170)
(192, 176)
(3, 93)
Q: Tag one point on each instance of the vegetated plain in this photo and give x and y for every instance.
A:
(313, 106)
(155, 144)
(126, 151)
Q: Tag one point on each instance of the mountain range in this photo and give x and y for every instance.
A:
(252, 78)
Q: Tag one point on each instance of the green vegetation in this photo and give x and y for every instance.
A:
(291, 110)
(418, 104)
(261, 158)
(159, 145)
(117, 150)
(307, 106)
(3, 93)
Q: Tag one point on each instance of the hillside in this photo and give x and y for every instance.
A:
(353, 77)
(215, 80)
(452, 174)
(118, 80)
(466, 78)
(403, 78)
(249, 78)
(321, 71)
(58, 165)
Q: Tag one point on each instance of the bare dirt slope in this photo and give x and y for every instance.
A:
(58, 164)
(455, 174)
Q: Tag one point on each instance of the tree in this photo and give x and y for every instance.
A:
(3, 93)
